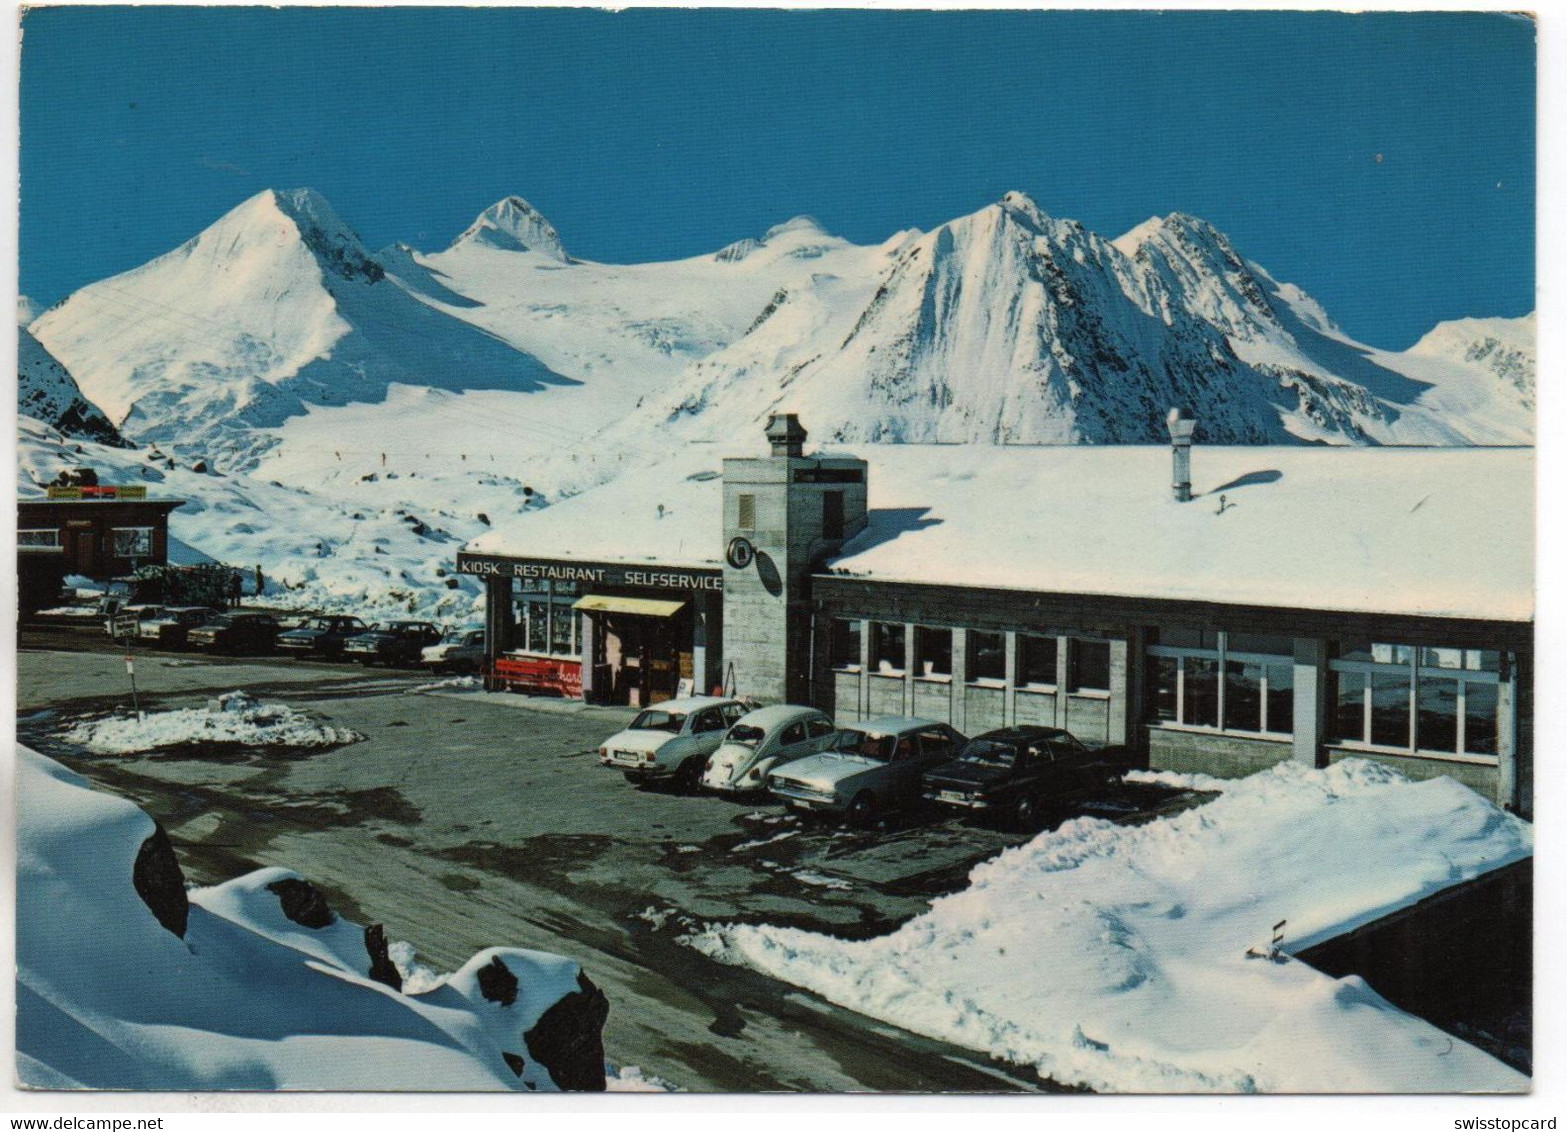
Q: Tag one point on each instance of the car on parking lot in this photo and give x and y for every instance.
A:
(126, 621)
(322, 636)
(869, 767)
(170, 630)
(763, 739)
(461, 651)
(392, 642)
(671, 740)
(236, 633)
(1016, 772)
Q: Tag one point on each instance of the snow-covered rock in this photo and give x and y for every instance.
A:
(46, 391)
(244, 997)
(1114, 956)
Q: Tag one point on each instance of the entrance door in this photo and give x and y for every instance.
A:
(83, 553)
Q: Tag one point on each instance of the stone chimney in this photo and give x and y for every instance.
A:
(1181, 424)
(786, 434)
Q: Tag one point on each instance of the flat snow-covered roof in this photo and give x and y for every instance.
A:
(620, 521)
(1443, 532)
(1428, 531)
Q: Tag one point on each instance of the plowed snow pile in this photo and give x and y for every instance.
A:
(239, 721)
(1114, 956)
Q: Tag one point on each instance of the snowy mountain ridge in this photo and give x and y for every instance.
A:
(1007, 325)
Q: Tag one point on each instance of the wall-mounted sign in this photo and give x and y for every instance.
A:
(106, 491)
(741, 553)
(590, 573)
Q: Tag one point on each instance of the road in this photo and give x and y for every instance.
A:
(465, 820)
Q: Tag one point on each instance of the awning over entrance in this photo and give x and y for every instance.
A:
(641, 606)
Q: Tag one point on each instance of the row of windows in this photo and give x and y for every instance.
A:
(1444, 701)
(127, 542)
(1242, 682)
(1387, 695)
(1037, 659)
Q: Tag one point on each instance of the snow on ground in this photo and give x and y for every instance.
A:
(240, 721)
(247, 999)
(371, 548)
(1114, 956)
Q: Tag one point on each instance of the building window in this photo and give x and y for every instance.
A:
(1036, 661)
(846, 637)
(887, 648)
(933, 652)
(49, 538)
(1437, 701)
(132, 542)
(547, 625)
(1090, 661)
(987, 657)
(746, 520)
(1238, 682)
(832, 514)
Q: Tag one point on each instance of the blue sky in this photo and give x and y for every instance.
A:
(656, 134)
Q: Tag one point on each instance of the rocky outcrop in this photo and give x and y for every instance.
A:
(303, 903)
(159, 882)
(382, 969)
(568, 1039)
(497, 983)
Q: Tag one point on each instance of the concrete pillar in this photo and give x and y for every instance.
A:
(585, 628)
(1063, 670)
(1507, 793)
(1009, 695)
(1311, 701)
(499, 624)
(958, 713)
(864, 700)
(1119, 695)
(909, 662)
(1134, 714)
(699, 679)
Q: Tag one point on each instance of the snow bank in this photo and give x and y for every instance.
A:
(1113, 956)
(247, 999)
(239, 721)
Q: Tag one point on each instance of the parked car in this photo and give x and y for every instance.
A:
(320, 636)
(171, 630)
(1017, 771)
(672, 740)
(870, 767)
(392, 642)
(764, 739)
(236, 632)
(125, 613)
(461, 651)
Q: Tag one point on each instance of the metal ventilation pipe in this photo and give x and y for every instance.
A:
(1181, 423)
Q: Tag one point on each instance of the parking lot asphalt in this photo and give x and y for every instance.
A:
(467, 820)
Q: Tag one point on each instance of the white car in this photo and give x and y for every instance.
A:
(671, 740)
(461, 651)
(765, 739)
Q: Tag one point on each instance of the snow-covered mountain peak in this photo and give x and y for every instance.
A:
(512, 224)
(1133, 238)
(807, 226)
(1501, 347)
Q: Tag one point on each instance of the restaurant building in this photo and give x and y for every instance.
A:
(97, 532)
(1301, 603)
